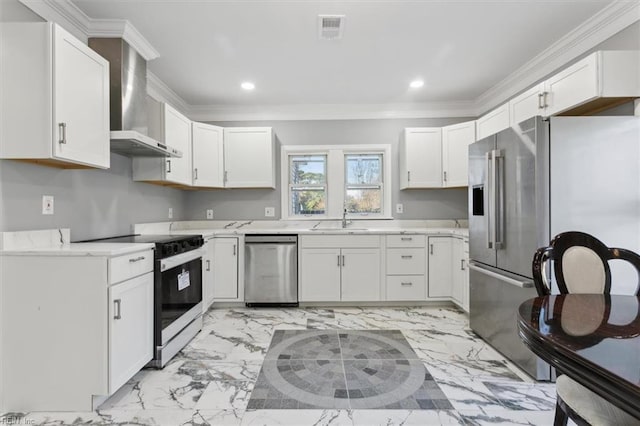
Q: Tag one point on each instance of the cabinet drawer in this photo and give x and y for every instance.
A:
(406, 241)
(131, 265)
(406, 287)
(339, 241)
(405, 261)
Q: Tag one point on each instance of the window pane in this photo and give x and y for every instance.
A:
(307, 201)
(363, 168)
(308, 169)
(364, 200)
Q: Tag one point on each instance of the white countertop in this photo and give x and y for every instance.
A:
(55, 242)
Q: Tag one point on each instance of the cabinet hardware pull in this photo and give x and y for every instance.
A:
(234, 249)
(406, 256)
(541, 100)
(137, 259)
(208, 265)
(338, 260)
(430, 248)
(406, 239)
(408, 176)
(117, 309)
(343, 260)
(445, 176)
(62, 132)
(462, 264)
(168, 166)
(196, 174)
(544, 97)
(409, 283)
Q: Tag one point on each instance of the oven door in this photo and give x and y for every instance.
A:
(178, 293)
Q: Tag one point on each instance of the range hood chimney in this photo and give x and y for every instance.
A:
(128, 100)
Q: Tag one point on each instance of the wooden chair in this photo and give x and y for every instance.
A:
(580, 265)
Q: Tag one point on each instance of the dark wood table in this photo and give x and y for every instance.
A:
(592, 338)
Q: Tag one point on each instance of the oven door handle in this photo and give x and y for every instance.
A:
(180, 259)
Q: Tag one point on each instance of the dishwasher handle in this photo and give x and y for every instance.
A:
(270, 239)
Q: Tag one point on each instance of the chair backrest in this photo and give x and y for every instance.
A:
(580, 264)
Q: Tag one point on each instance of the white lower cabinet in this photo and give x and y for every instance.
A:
(74, 327)
(208, 275)
(225, 269)
(440, 267)
(130, 328)
(319, 275)
(339, 268)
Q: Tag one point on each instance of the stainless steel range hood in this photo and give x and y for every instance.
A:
(128, 101)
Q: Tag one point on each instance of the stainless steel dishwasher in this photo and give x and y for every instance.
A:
(271, 270)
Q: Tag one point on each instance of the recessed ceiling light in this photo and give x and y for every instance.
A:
(416, 84)
(247, 85)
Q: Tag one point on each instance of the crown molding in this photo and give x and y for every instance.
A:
(612, 19)
(159, 91)
(74, 20)
(330, 111)
(120, 28)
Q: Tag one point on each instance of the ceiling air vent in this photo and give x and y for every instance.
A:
(330, 27)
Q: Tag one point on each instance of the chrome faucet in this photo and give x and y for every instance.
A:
(344, 219)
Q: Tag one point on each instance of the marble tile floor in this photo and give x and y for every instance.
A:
(211, 381)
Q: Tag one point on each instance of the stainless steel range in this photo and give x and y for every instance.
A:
(177, 291)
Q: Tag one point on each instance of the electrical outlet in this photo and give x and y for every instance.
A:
(269, 211)
(47, 204)
(399, 208)
(170, 213)
(209, 213)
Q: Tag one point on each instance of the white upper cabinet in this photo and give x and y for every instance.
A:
(455, 153)
(603, 74)
(421, 158)
(207, 155)
(174, 129)
(249, 157)
(527, 105)
(55, 98)
(493, 122)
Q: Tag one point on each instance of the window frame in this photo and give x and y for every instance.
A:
(336, 179)
(379, 185)
(291, 186)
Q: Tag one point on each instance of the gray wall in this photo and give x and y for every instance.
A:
(93, 203)
(418, 203)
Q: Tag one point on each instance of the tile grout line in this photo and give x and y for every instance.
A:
(344, 371)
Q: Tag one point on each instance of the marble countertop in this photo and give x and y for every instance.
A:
(55, 242)
(219, 228)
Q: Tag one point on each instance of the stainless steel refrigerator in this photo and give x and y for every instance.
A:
(527, 184)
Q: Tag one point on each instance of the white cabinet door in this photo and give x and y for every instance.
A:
(440, 267)
(177, 134)
(572, 86)
(319, 275)
(455, 153)
(208, 278)
(130, 328)
(421, 158)
(249, 157)
(207, 155)
(81, 101)
(225, 268)
(493, 122)
(527, 105)
(360, 275)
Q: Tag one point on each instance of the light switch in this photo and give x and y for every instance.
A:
(47, 204)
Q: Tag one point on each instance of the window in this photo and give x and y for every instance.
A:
(320, 181)
(307, 184)
(363, 183)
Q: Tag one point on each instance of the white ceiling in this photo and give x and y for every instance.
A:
(460, 48)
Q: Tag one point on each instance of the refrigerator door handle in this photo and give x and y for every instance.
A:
(498, 198)
(504, 278)
(487, 202)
